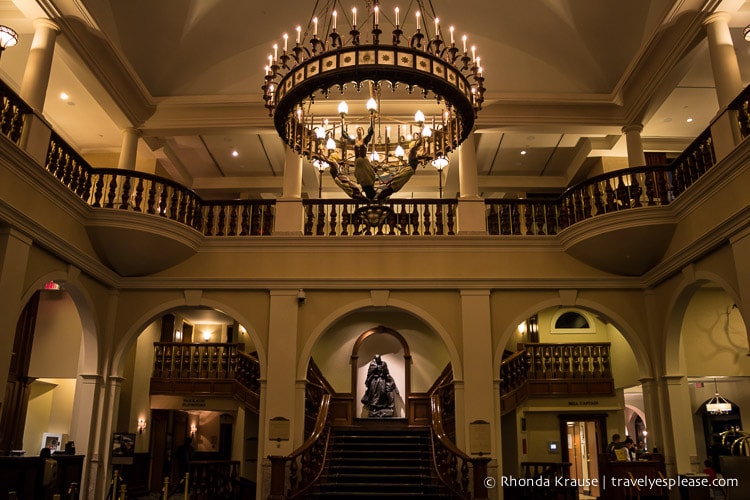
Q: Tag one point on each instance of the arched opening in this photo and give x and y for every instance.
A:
(193, 377)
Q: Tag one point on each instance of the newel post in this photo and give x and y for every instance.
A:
(277, 477)
(480, 477)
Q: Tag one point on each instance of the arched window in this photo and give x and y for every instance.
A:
(572, 321)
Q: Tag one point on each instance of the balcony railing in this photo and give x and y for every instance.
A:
(611, 192)
(153, 195)
(217, 368)
(425, 217)
(543, 370)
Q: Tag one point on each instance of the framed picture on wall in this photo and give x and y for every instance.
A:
(52, 441)
(123, 447)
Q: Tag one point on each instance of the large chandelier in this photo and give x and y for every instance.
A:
(372, 92)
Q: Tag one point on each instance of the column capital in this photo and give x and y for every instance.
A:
(43, 22)
(634, 127)
(717, 17)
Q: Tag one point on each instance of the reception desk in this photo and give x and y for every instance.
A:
(26, 476)
(621, 480)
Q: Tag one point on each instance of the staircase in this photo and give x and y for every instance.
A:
(377, 464)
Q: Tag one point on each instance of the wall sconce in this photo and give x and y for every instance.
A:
(178, 336)
(193, 429)
(141, 425)
(8, 38)
(206, 335)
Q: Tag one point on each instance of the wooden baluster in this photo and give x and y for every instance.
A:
(158, 359)
(439, 218)
(565, 362)
(232, 221)
(138, 195)
(635, 191)
(255, 223)
(606, 362)
(427, 219)
(493, 225)
(415, 220)
(538, 362)
(99, 191)
(528, 218)
(650, 189)
(596, 363)
(195, 369)
(182, 213)
(309, 219)
(174, 204)
(112, 192)
(221, 223)
(538, 209)
(68, 170)
(548, 371)
(320, 226)
(151, 201)
(332, 222)
(623, 196)
(515, 215)
(391, 221)
(210, 221)
(586, 361)
(587, 206)
(611, 205)
(598, 201)
(451, 219)
(214, 368)
(163, 200)
(556, 363)
(504, 382)
(576, 352)
(125, 194)
(346, 219)
(244, 221)
(578, 206)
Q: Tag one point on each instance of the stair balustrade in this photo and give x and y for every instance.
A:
(540, 481)
(462, 474)
(544, 370)
(295, 474)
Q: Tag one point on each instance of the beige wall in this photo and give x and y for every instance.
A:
(57, 337)
(50, 410)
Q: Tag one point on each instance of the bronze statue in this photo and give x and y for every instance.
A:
(379, 397)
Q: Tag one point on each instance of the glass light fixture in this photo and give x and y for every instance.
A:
(8, 37)
(718, 405)
(746, 33)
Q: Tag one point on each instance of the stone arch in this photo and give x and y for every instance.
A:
(137, 325)
(397, 305)
(672, 365)
(642, 355)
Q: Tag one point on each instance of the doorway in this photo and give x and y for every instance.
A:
(583, 436)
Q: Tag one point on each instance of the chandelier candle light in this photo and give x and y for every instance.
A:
(415, 96)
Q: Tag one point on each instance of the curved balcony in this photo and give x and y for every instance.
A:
(610, 215)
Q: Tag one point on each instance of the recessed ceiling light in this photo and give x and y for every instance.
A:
(64, 96)
(235, 153)
(523, 151)
(689, 120)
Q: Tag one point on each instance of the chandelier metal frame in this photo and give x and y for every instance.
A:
(425, 63)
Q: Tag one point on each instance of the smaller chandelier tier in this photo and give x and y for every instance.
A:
(374, 60)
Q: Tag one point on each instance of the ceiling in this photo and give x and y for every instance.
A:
(563, 77)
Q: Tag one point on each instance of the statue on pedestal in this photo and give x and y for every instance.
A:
(379, 397)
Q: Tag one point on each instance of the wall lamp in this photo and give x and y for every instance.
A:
(193, 429)
(141, 425)
(8, 38)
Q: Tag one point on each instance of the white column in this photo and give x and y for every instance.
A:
(477, 365)
(281, 370)
(82, 420)
(471, 212)
(683, 456)
(636, 156)
(467, 168)
(39, 64)
(724, 63)
(289, 212)
(14, 255)
(129, 149)
(741, 251)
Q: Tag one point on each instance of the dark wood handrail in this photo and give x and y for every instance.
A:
(313, 451)
(447, 456)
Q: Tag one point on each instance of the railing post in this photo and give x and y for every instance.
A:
(480, 477)
(165, 488)
(277, 477)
